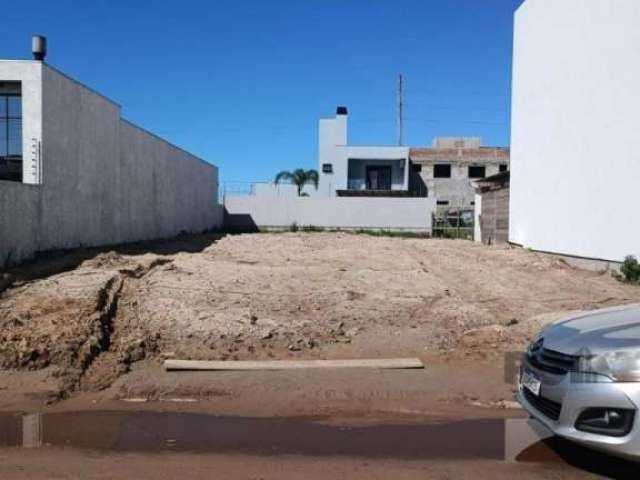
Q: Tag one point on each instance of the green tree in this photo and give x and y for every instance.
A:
(299, 177)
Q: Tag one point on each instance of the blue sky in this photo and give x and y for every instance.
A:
(243, 83)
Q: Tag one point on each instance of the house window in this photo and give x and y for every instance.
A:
(442, 202)
(503, 167)
(416, 167)
(442, 170)
(10, 132)
(327, 168)
(476, 172)
(378, 178)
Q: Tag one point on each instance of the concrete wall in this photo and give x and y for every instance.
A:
(20, 217)
(103, 180)
(338, 212)
(575, 161)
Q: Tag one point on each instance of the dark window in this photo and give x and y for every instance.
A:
(442, 171)
(443, 202)
(378, 178)
(327, 168)
(416, 167)
(504, 167)
(10, 134)
(473, 203)
(476, 172)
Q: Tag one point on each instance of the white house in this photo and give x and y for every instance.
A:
(347, 170)
(358, 187)
(575, 161)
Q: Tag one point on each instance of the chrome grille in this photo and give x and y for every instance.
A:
(551, 361)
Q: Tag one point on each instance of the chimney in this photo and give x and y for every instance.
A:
(39, 47)
(341, 110)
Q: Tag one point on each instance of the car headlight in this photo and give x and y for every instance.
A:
(618, 366)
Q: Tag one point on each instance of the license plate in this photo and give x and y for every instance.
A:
(531, 383)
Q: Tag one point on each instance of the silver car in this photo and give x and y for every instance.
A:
(581, 378)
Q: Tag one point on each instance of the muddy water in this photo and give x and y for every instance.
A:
(501, 440)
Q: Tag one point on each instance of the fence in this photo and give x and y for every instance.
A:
(453, 222)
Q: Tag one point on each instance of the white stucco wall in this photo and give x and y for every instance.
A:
(337, 212)
(104, 181)
(575, 162)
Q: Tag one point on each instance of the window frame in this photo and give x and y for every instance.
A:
(7, 120)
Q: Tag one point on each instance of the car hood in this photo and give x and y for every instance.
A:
(611, 329)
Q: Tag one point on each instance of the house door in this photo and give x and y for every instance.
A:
(378, 178)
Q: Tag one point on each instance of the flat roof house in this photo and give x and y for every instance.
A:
(74, 172)
(347, 170)
(358, 187)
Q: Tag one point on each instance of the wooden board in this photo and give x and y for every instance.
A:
(381, 363)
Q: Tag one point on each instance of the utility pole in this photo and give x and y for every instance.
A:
(400, 107)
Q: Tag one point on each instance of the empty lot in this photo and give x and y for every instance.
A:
(82, 320)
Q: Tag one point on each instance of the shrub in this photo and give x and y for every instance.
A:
(629, 271)
(293, 227)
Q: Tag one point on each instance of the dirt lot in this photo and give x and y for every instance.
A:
(314, 295)
(90, 328)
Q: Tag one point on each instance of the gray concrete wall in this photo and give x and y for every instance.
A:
(164, 190)
(104, 181)
(20, 207)
(412, 214)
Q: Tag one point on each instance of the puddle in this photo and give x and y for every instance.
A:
(518, 440)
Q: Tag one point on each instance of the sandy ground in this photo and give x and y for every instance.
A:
(314, 295)
(89, 329)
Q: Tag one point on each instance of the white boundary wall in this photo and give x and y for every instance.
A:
(575, 156)
(412, 214)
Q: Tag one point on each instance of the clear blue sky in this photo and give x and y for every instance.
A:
(243, 83)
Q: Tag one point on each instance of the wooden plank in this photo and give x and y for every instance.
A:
(381, 363)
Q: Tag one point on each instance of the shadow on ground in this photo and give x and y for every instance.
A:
(45, 264)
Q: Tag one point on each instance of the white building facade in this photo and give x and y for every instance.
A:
(347, 170)
(575, 161)
(74, 173)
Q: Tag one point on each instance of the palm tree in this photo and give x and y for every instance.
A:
(299, 177)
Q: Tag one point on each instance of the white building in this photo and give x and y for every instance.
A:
(73, 172)
(347, 170)
(358, 187)
(575, 170)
